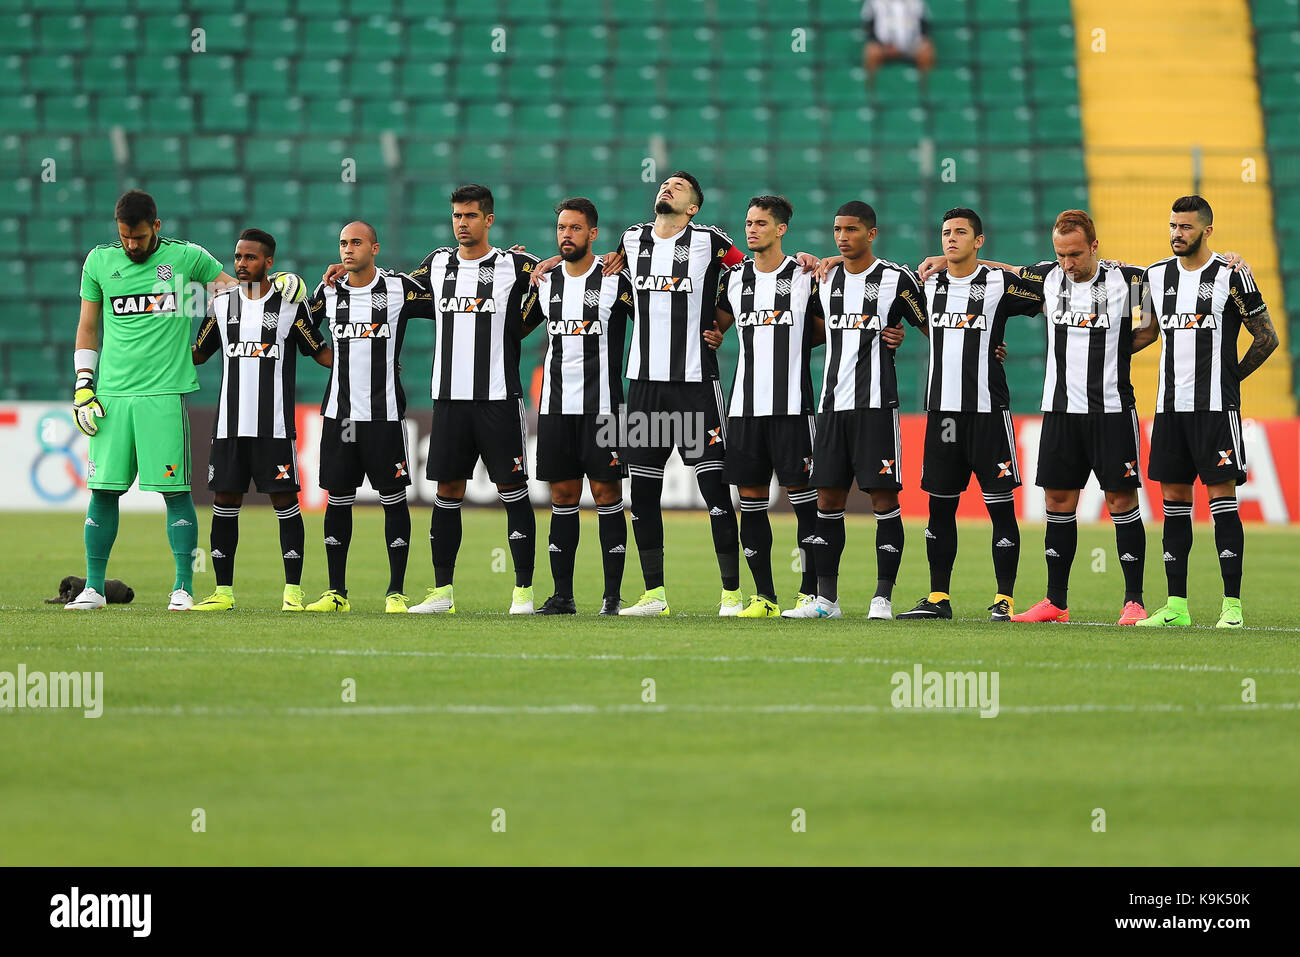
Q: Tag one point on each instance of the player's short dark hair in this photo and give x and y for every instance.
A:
(695, 184)
(374, 235)
(780, 207)
(135, 206)
(856, 207)
(260, 236)
(965, 212)
(1194, 204)
(1076, 220)
(579, 204)
(474, 193)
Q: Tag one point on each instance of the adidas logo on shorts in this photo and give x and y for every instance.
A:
(331, 540)
(1005, 543)
(292, 553)
(397, 543)
(516, 536)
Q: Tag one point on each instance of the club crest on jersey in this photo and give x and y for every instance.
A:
(379, 300)
(485, 278)
(663, 284)
(976, 293)
(959, 320)
(467, 304)
(591, 297)
(1205, 290)
(681, 253)
(855, 320)
(361, 330)
(140, 305)
(575, 327)
(270, 320)
(1078, 319)
(253, 350)
(164, 272)
(1188, 320)
(871, 290)
(782, 287)
(766, 317)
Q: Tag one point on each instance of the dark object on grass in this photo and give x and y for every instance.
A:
(117, 592)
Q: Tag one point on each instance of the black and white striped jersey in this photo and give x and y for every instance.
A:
(586, 318)
(1089, 336)
(484, 308)
(366, 324)
(775, 333)
(967, 319)
(859, 371)
(257, 339)
(675, 282)
(1200, 313)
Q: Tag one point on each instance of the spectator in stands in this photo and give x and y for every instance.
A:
(896, 30)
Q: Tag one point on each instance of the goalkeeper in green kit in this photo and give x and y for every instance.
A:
(134, 411)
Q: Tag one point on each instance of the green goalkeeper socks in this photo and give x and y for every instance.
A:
(101, 530)
(183, 534)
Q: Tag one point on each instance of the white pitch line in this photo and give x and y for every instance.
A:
(346, 711)
(1180, 667)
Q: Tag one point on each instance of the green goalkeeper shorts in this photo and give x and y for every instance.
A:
(148, 435)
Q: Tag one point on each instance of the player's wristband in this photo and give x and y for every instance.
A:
(85, 359)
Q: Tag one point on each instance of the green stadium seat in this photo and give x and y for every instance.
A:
(274, 155)
(996, 12)
(850, 127)
(895, 164)
(1057, 163)
(1009, 166)
(212, 72)
(12, 79)
(387, 115)
(1051, 43)
(591, 121)
(638, 45)
(1270, 14)
(480, 82)
(320, 77)
(1055, 123)
(67, 112)
(379, 38)
(585, 42)
(171, 114)
(635, 84)
(1001, 85)
(267, 75)
(1053, 198)
(898, 127)
(281, 198)
(66, 197)
(166, 33)
(224, 33)
(954, 125)
(539, 44)
(534, 83)
(17, 198)
(275, 37)
(949, 86)
(953, 44)
(898, 86)
(52, 74)
(63, 34)
(1044, 11)
(283, 115)
(220, 194)
(1005, 46)
(424, 80)
(694, 43)
(1009, 207)
(372, 80)
(431, 39)
(327, 38)
(1278, 49)
(158, 76)
(163, 154)
(1284, 130)
(1006, 126)
(739, 87)
(226, 112)
(95, 152)
(57, 237)
(105, 72)
(20, 113)
(792, 87)
(17, 33)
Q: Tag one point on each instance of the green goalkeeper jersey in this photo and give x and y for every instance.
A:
(148, 308)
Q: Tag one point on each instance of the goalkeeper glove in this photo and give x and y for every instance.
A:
(289, 285)
(85, 406)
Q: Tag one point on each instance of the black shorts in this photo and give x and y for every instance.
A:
(1188, 445)
(758, 445)
(959, 443)
(465, 430)
(271, 463)
(373, 450)
(662, 416)
(1074, 444)
(573, 446)
(858, 443)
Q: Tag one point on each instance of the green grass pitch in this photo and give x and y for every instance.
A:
(241, 714)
